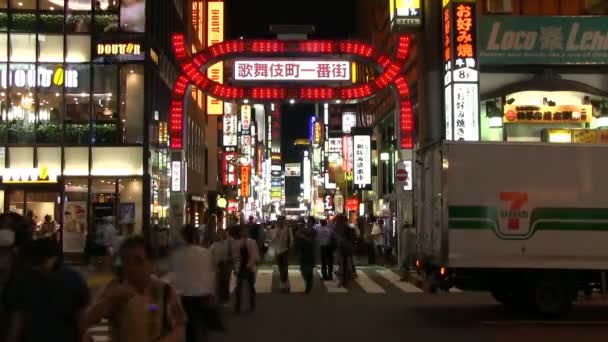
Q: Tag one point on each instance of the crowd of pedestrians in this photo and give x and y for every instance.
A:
(41, 297)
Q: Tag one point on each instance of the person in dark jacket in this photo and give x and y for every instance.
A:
(305, 241)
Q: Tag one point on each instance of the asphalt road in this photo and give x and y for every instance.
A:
(394, 315)
(378, 307)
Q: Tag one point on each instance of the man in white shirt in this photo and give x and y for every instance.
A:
(193, 276)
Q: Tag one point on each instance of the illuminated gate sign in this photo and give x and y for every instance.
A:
(461, 77)
(195, 67)
(292, 70)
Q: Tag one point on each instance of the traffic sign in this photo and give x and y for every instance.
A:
(401, 175)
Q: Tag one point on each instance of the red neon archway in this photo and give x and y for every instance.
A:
(390, 68)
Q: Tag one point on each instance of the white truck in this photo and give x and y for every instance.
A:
(527, 222)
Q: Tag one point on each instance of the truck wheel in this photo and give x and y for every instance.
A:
(552, 297)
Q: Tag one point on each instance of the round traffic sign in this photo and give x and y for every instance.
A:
(401, 175)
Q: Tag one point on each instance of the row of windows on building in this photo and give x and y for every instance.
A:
(76, 15)
(71, 103)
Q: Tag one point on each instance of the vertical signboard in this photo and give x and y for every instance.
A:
(176, 176)
(198, 18)
(245, 180)
(347, 153)
(349, 120)
(215, 34)
(461, 77)
(230, 128)
(362, 168)
(245, 119)
(229, 168)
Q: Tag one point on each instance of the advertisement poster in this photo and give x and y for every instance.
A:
(126, 213)
(74, 227)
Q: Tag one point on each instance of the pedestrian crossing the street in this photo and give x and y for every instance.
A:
(369, 280)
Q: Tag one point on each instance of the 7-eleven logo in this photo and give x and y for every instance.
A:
(514, 212)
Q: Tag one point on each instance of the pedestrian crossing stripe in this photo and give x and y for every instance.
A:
(367, 284)
(332, 285)
(296, 282)
(396, 281)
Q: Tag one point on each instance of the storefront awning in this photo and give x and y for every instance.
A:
(544, 82)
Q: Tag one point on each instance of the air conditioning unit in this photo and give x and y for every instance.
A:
(499, 6)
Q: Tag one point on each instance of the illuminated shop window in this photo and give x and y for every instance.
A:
(3, 18)
(79, 22)
(76, 161)
(23, 47)
(80, 5)
(3, 103)
(132, 103)
(52, 78)
(3, 3)
(51, 48)
(21, 114)
(23, 4)
(23, 21)
(52, 5)
(78, 48)
(106, 16)
(133, 15)
(52, 21)
(3, 47)
(78, 104)
(105, 94)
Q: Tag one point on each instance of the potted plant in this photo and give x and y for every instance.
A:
(24, 21)
(20, 132)
(77, 134)
(105, 133)
(106, 22)
(48, 132)
(52, 22)
(3, 20)
(79, 22)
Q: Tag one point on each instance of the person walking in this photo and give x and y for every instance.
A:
(282, 242)
(345, 239)
(327, 243)
(139, 306)
(48, 301)
(305, 241)
(8, 264)
(245, 253)
(48, 228)
(221, 252)
(193, 277)
(378, 239)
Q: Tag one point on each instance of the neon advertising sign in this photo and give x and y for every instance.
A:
(194, 69)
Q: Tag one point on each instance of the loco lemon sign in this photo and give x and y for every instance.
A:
(543, 40)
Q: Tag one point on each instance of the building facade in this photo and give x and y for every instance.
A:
(84, 97)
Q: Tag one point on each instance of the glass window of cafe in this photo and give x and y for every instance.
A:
(545, 116)
(51, 91)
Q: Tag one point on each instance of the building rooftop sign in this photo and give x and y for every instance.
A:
(530, 40)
